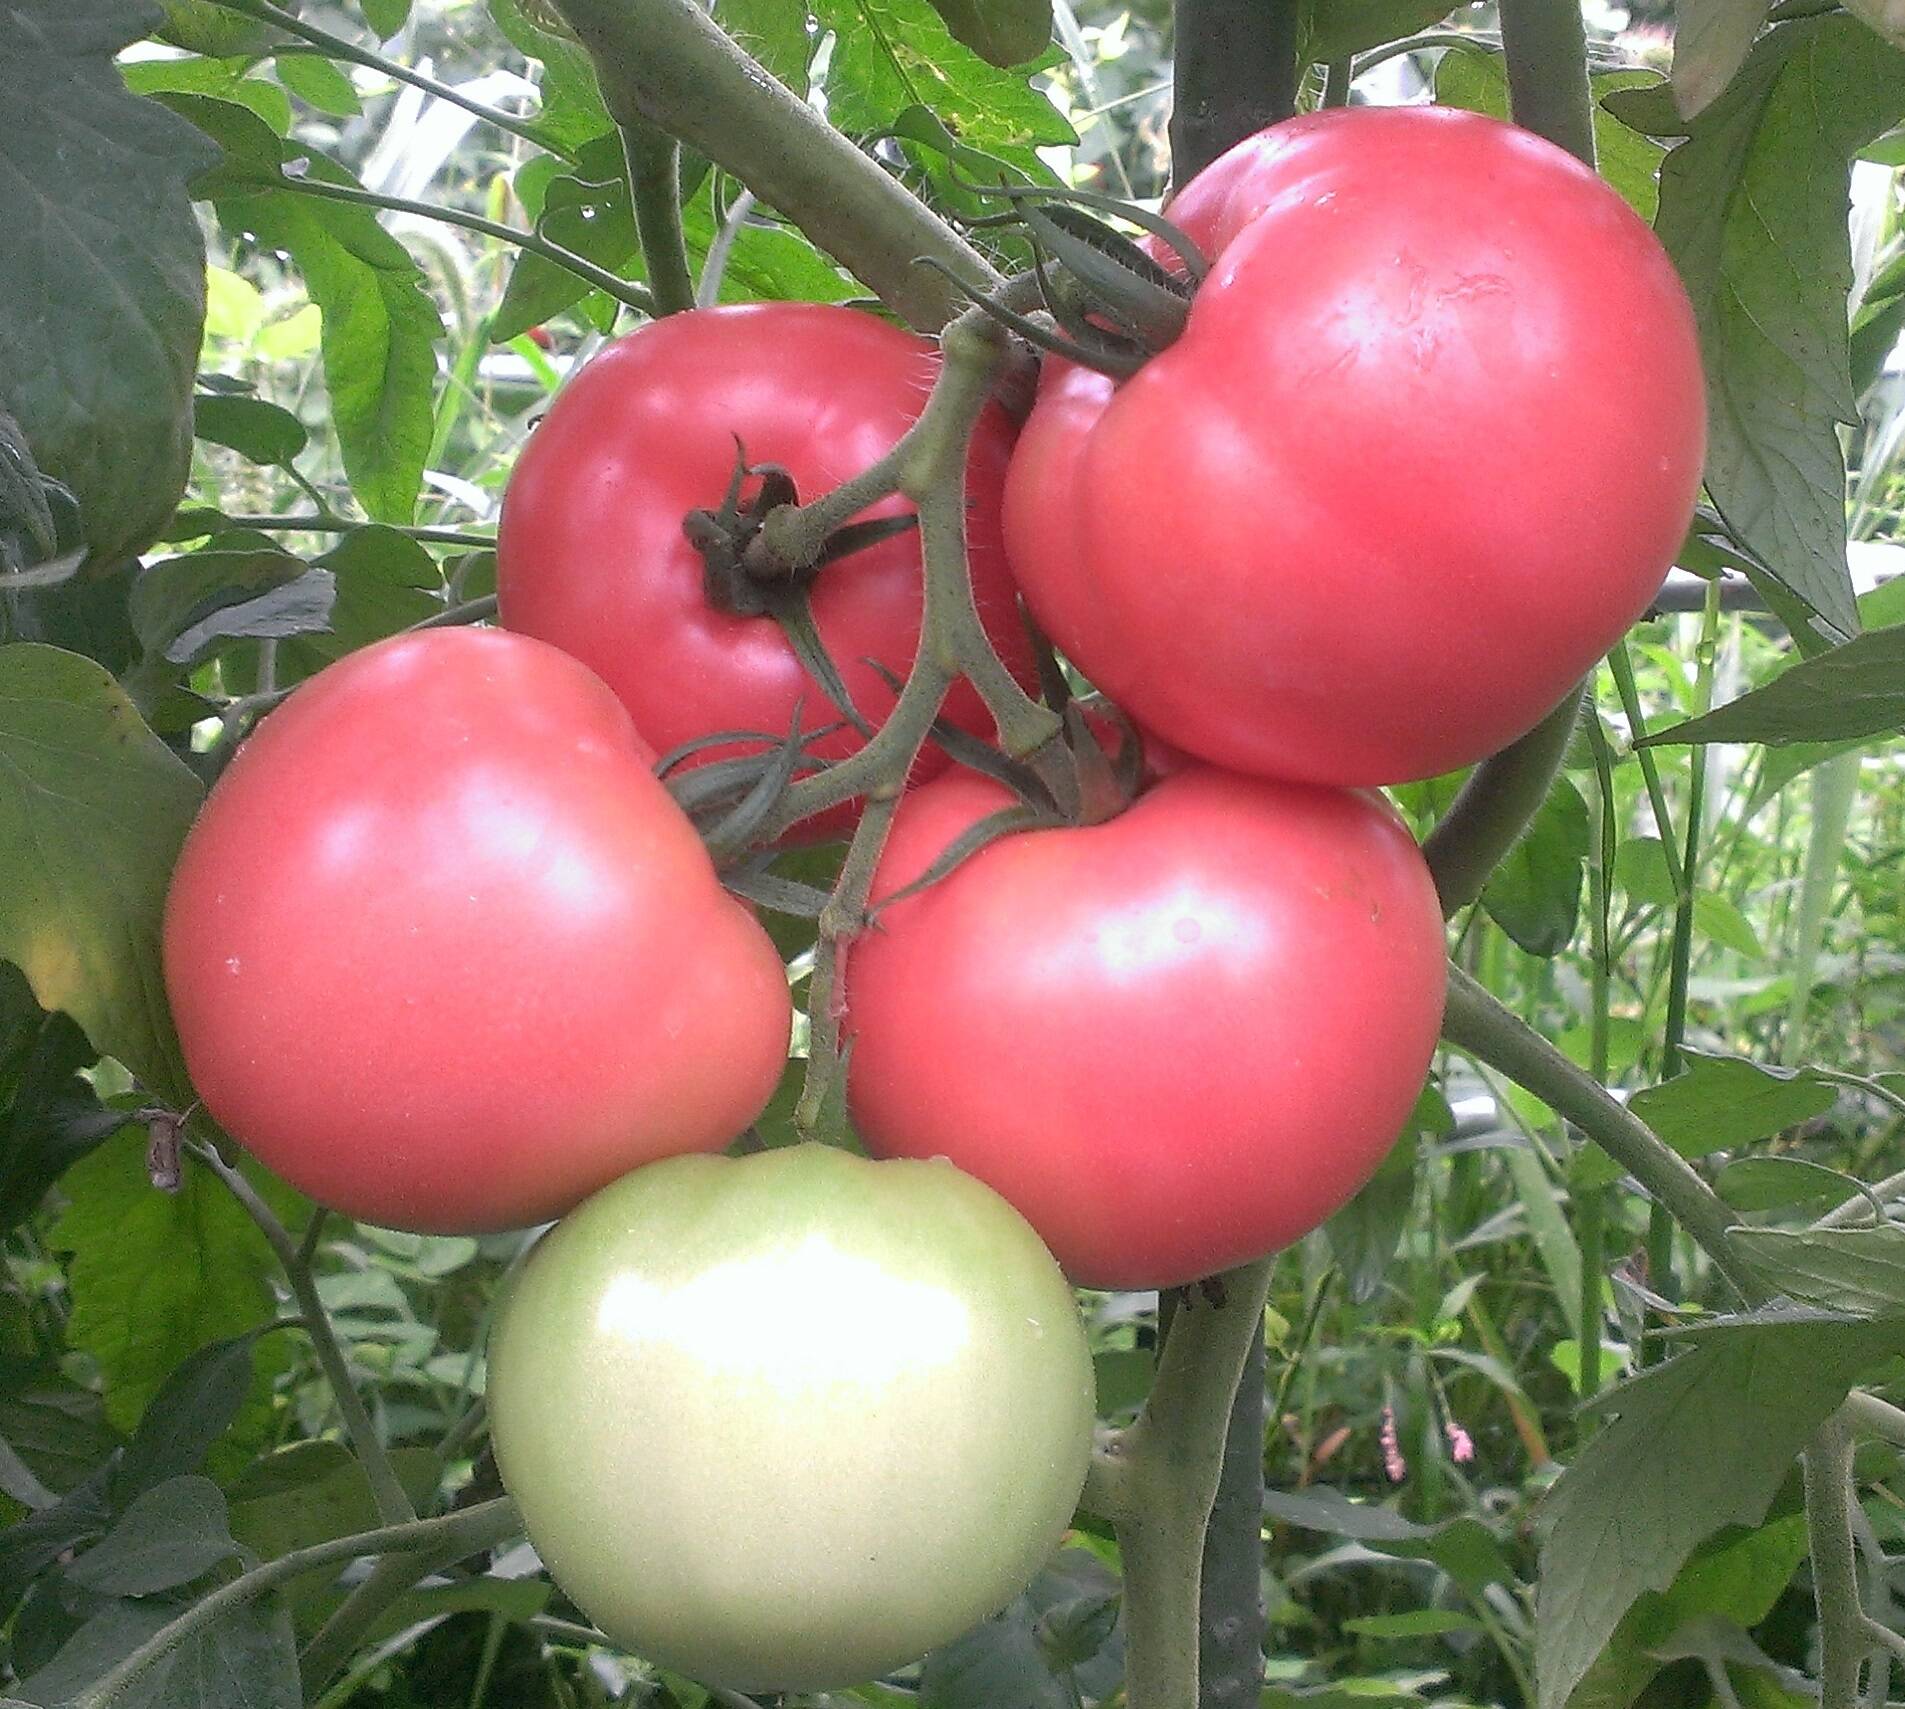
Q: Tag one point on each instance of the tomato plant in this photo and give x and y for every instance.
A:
(1176, 1040)
(443, 952)
(1441, 388)
(791, 1421)
(593, 557)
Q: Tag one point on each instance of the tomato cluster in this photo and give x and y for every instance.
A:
(445, 952)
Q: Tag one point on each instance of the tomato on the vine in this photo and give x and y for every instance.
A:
(1176, 1040)
(1426, 447)
(592, 556)
(789, 1421)
(445, 954)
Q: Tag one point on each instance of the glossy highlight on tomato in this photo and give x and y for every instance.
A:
(1427, 446)
(788, 1421)
(591, 554)
(1176, 1040)
(444, 953)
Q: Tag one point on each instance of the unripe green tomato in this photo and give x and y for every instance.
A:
(789, 1421)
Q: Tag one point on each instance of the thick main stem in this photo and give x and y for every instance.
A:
(667, 62)
(654, 178)
(1235, 71)
(1167, 1469)
(1843, 1644)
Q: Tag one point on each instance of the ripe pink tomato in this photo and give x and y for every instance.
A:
(591, 553)
(1426, 448)
(1175, 1041)
(444, 954)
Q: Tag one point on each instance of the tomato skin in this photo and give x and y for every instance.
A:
(1176, 1040)
(1426, 448)
(445, 954)
(591, 556)
(789, 1421)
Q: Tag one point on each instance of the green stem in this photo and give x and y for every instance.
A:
(1875, 1417)
(1475, 1022)
(1230, 1603)
(630, 296)
(452, 1537)
(1623, 668)
(339, 48)
(1834, 789)
(1843, 1643)
(326, 524)
(1337, 78)
(1168, 1467)
(393, 1505)
(1545, 44)
(668, 62)
(654, 178)
(1494, 806)
(1235, 71)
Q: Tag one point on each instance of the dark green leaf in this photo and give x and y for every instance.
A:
(181, 606)
(1002, 1663)
(253, 428)
(28, 1548)
(1464, 1548)
(1365, 1234)
(168, 1536)
(1535, 894)
(197, 1405)
(1751, 208)
(1417, 1623)
(319, 83)
(102, 274)
(203, 26)
(1851, 693)
(1777, 1183)
(58, 1428)
(1701, 1442)
(1336, 29)
(1002, 32)
(93, 808)
(1860, 1271)
(1877, 325)
(156, 1276)
(1711, 41)
(244, 1660)
(49, 1116)
(1720, 1103)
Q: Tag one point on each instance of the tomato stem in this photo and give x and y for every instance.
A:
(1162, 1474)
(654, 178)
(669, 62)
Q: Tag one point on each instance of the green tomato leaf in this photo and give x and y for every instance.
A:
(1001, 32)
(1366, 1233)
(182, 607)
(318, 83)
(1336, 29)
(156, 1277)
(379, 326)
(1535, 894)
(1850, 693)
(255, 429)
(199, 1402)
(246, 1659)
(1701, 1442)
(1066, 1621)
(57, 1428)
(1859, 1271)
(223, 78)
(1780, 1183)
(889, 55)
(168, 1536)
(93, 808)
(205, 27)
(1710, 43)
(102, 275)
(386, 17)
(1752, 211)
(572, 110)
(1463, 1548)
(1885, 16)
(1721, 1103)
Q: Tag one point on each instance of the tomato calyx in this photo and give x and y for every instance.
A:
(741, 573)
(1112, 304)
